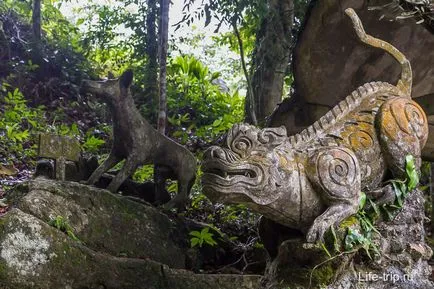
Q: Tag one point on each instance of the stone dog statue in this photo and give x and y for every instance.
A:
(136, 141)
(312, 180)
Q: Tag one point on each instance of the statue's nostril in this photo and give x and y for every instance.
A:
(215, 153)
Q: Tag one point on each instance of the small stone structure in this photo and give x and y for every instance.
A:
(61, 149)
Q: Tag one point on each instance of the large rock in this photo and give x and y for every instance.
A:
(402, 263)
(122, 244)
(106, 222)
(330, 62)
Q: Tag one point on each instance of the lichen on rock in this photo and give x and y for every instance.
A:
(24, 247)
(122, 244)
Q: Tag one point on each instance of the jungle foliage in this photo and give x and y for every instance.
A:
(40, 92)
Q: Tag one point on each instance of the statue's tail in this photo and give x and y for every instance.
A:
(404, 83)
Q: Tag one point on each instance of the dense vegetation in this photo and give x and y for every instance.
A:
(40, 92)
(45, 96)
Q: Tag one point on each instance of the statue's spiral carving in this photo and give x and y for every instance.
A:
(337, 170)
(416, 118)
(272, 136)
(405, 115)
(242, 145)
(242, 139)
(361, 139)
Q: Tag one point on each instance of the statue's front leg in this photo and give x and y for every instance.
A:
(111, 160)
(335, 175)
(127, 170)
(331, 217)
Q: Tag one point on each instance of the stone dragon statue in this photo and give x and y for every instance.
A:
(313, 180)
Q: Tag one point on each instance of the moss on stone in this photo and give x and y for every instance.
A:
(323, 275)
(430, 241)
(3, 271)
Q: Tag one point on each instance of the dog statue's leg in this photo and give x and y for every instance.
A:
(161, 174)
(181, 198)
(126, 171)
(105, 166)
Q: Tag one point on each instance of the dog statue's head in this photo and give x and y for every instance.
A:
(110, 90)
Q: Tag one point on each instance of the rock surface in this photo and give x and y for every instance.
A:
(330, 62)
(122, 244)
(402, 264)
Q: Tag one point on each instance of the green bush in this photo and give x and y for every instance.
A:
(197, 105)
(19, 125)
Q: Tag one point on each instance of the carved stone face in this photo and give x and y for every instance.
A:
(250, 169)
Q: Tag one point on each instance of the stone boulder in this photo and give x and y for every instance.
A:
(330, 62)
(401, 264)
(113, 242)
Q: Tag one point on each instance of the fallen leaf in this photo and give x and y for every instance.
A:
(8, 170)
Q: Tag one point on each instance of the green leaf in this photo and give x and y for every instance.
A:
(196, 234)
(375, 208)
(325, 250)
(80, 21)
(217, 122)
(389, 214)
(411, 171)
(362, 200)
(194, 242)
(398, 194)
(335, 239)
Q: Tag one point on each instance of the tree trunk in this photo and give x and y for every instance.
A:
(271, 58)
(431, 191)
(163, 41)
(36, 20)
(151, 69)
(159, 178)
(5, 51)
(36, 53)
(250, 98)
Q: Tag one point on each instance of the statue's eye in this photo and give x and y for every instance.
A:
(242, 146)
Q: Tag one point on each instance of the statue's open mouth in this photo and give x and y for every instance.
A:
(224, 174)
(248, 173)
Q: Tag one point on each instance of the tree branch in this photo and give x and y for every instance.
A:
(250, 93)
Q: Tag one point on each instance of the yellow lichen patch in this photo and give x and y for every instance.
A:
(283, 162)
(403, 118)
(348, 222)
(8, 170)
(397, 107)
(388, 124)
(362, 137)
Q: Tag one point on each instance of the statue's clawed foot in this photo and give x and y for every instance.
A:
(384, 195)
(331, 217)
(317, 231)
